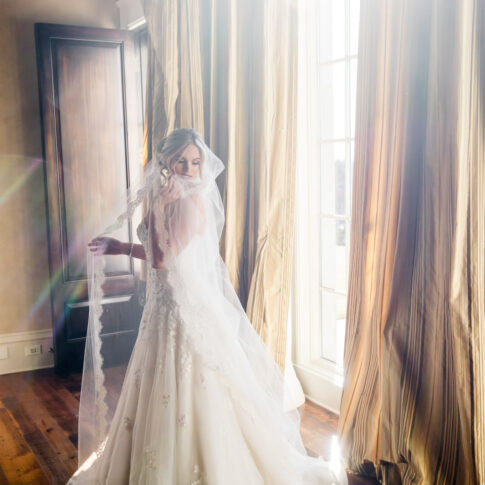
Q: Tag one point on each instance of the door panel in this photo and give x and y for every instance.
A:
(90, 103)
(91, 119)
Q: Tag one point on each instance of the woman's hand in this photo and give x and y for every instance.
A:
(108, 245)
(172, 191)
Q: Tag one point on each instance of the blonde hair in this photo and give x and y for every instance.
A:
(172, 146)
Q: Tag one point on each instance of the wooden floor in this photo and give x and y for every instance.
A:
(38, 428)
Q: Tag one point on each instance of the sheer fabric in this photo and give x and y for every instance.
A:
(203, 401)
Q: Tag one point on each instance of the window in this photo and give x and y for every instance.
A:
(327, 80)
(337, 29)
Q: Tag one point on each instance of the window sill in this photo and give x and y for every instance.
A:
(320, 386)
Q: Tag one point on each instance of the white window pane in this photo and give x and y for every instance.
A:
(353, 93)
(354, 26)
(333, 308)
(347, 255)
(331, 30)
(352, 143)
(352, 155)
(333, 181)
(331, 93)
(333, 242)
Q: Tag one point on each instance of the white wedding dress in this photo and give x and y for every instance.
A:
(187, 414)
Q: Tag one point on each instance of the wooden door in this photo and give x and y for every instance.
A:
(91, 125)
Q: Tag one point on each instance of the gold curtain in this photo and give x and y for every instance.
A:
(228, 69)
(413, 400)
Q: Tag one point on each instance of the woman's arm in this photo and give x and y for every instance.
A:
(111, 246)
(137, 250)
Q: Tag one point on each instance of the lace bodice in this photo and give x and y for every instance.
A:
(157, 278)
(142, 233)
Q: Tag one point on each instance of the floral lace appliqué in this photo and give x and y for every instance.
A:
(198, 476)
(150, 458)
(128, 423)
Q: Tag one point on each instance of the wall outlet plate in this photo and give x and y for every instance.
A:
(35, 349)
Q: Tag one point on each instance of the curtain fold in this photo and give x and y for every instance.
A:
(413, 401)
(228, 69)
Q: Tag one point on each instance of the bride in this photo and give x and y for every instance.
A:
(202, 400)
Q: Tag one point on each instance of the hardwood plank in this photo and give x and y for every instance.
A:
(55, 407)
(52, 466)
(18, 463)
(317, 428)
(3, 477)
(14, 384)
(58, 427)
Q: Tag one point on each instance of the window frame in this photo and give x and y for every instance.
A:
(321, 378)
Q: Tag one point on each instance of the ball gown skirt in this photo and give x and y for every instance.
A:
(189, 415)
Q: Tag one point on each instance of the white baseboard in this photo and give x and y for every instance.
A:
(319, 388)
(12, 351)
